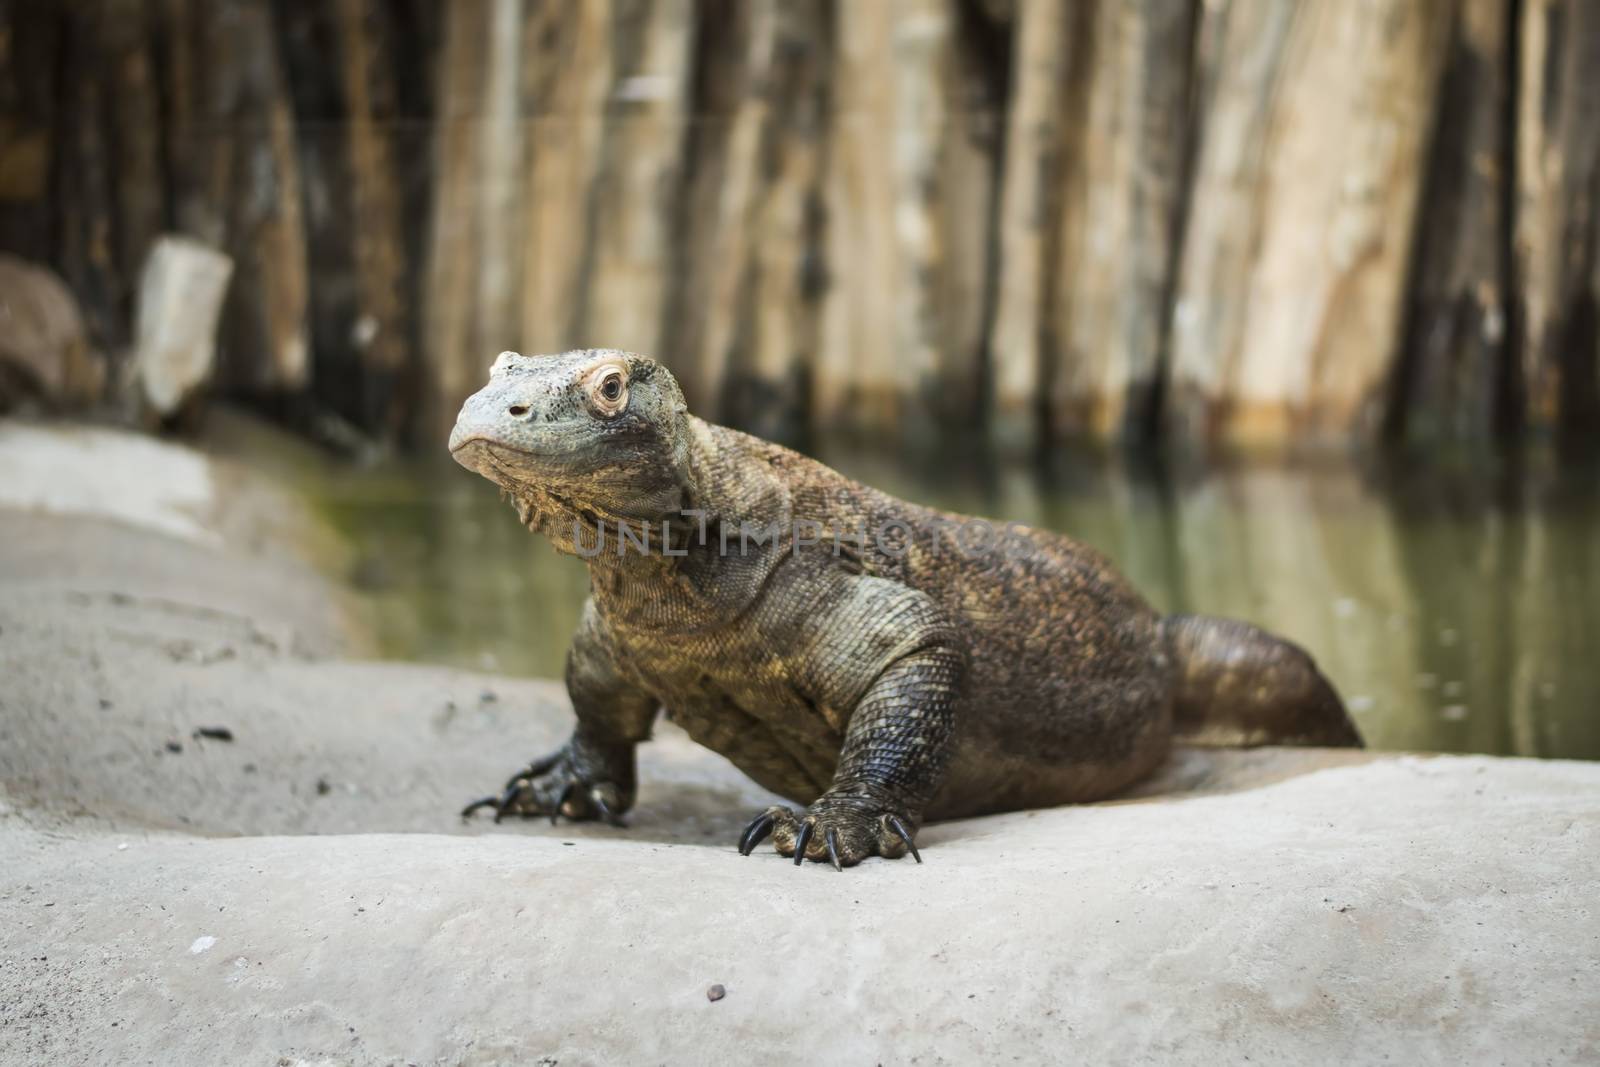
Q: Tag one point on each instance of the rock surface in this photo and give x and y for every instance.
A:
(305, 893)
(45, 354)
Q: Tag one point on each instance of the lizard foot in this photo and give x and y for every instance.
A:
(555, 786)
(840, 832)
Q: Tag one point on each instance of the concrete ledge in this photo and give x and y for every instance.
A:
(1417, 911)
(305, 893)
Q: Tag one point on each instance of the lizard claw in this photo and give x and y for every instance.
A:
(570, 783)
(566, 795)
(900, 831)
(532, 771)
(756, 832)
(508, 798)
(481, 802)
(603, 805)
(841, 830)
(802, 839)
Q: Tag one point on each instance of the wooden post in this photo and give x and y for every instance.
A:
(236, 182)
(634, 190)
(1558, 215)
(745, 314)
(569, 80)
(1453, 375)
(1119, 230)
(1302, 215)
(909, 170)
(455, 369)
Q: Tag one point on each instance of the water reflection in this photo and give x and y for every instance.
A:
(1456, 609)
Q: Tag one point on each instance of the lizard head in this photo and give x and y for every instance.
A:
(593, 430)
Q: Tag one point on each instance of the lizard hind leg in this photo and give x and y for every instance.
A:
(1239, 685)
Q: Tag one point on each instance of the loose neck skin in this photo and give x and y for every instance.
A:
(683, 542)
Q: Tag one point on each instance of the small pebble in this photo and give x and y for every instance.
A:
(323, 788)
(105, 704)
(174, 746)
(716, 993)
(488, 696)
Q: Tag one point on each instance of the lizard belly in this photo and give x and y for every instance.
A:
(753, 718)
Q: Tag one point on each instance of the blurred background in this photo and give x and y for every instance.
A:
(1291, 307)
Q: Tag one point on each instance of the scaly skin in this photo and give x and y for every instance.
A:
(876, 662)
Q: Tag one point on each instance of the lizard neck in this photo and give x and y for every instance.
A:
(691, 567)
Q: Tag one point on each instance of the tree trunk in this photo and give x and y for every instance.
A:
(1232, 220)
(903, 314)
(456, 362)
(746, 313)
(1453, 370)
(343, 67)
(236, 177)
(1036, 124)
(1302, 213)
(126, 29)
(570, 80)
(633, 196)
(84, 182)
(1558, 217)
(31, 39)
(1120, 218)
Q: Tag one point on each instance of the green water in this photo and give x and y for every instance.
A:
(1457, 609)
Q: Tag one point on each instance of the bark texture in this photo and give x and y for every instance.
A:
(1558, 218)
(1217, 221)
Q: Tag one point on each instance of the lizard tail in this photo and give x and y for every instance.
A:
(1238, 685)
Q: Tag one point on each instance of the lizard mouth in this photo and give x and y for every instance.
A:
(467, 442)
(511, 468)
(492, 448)
(551, 441)
(484, 454)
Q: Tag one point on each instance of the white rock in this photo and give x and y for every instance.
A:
(180, 300)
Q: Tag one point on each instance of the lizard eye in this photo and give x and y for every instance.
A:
(609, 389)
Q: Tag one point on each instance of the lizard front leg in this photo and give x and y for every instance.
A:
(593, 775)
(895, 748)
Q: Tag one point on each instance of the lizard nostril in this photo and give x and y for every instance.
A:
(516, 411)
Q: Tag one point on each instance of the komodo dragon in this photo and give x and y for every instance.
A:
(877, 662)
